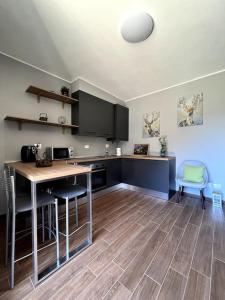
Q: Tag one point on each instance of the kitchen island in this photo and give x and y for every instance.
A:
(36, 176)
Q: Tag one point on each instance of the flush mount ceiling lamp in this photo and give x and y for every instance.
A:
(137, 27)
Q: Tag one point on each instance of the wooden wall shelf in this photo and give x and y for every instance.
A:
(20, 121)
(50, 95)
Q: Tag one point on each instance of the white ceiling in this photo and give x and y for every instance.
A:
(81, 38)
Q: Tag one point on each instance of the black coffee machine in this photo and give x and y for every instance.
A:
(28, 153)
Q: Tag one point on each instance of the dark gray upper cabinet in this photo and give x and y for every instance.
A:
(121, 123)
(94, 116)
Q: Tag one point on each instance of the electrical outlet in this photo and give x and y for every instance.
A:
(86, 146)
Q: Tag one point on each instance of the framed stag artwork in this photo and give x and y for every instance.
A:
(190, 111)
(151, 124)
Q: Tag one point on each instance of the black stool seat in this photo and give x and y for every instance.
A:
(69, 191)
(24, 202)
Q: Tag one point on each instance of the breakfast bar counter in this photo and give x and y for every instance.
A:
(58, 170)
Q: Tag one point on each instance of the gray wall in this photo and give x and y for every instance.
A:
(15, 77)
(205, 143)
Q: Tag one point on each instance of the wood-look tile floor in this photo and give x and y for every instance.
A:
(143, 248)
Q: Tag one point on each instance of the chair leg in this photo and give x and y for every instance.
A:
(202, 199)
(76, 212)
(49, 221)
(7, 239)
(13, 251)
(179, 194)
(43, 223)
(67, 229)
(182, 191)
(57, 230)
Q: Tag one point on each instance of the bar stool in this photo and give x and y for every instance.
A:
(67, 193)
(21, 204)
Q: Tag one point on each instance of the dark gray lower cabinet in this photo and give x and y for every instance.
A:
(156, 175)
(113, 172)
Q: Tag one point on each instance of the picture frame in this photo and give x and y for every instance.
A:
(141, 149)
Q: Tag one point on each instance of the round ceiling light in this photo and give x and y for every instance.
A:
(137, 28)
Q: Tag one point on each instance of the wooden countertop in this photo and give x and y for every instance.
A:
(98, 158)
(58, 170)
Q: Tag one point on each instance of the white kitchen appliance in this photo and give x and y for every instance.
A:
(118, 151)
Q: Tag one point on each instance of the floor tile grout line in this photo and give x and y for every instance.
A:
(195, 246)
(62, 287)
(189, 216)
(99, 252)
(153, 258)
(121, 223)
(152, 279)
(207, 277)
(167, 214)
(145, 274)
(117, 279)
(132, 292)
(110, 289)
(120, 234)
(173, 223)
(97, 276)
(210, 287)
(150, 210)
(186, 276)
(157, 227)
(138, 252)
(141, 229)
(174, 253)
(220, 260)
(118, 265)
(112, 260)
(124, 221)
(142, 246)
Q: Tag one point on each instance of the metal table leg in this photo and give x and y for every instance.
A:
(89, 207)
(34, 232)
(67, 230)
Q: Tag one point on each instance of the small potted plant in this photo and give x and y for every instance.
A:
(163, 145)
(65, 91)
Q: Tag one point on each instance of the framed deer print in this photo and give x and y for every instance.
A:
(190, 111)
(151, 124)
